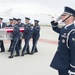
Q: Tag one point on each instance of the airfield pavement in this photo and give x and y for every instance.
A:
(36, 64)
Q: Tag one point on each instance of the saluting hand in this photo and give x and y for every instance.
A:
(54, 23)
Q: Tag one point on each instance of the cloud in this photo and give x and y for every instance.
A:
(34, 8)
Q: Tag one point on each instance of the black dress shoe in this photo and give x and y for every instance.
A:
(2, 51)
(27, 53)
(10, 57)
(17, 55)
(36, 51)
(22, 54)
(8, 50)
(31, 53)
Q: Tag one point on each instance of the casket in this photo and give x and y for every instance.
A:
(5, 33)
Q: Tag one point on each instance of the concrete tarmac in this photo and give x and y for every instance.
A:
(37, 64)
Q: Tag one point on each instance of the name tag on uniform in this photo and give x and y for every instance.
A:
(64, 35)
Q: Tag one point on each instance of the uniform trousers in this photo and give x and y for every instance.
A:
(26, 47)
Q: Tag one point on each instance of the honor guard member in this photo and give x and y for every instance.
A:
(15, 37)
(35, 36)
(2, 25)
(27, 36)
(20, 25)
(64, 59)
(10, 25)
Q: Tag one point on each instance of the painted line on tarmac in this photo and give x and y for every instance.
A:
(48, 41)
(40, 40)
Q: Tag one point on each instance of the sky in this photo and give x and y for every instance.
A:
(43, 10)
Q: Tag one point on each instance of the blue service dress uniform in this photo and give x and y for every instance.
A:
(10, 25)
(21, 24)
(15, 38)
(1, 41)
(64, 58)
(27, 36)
(20, 41)
(35, 37)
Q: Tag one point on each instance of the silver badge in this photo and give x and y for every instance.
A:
(64, 33)
(63, 41)
(73, 39)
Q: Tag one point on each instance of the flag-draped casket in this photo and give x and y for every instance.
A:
(5, 33)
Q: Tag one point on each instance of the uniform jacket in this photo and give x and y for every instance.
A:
(65, 55)
(10, 25)
(36, 32)
(21, 24)
(3, 25)
(16, 32)
(27, 31)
